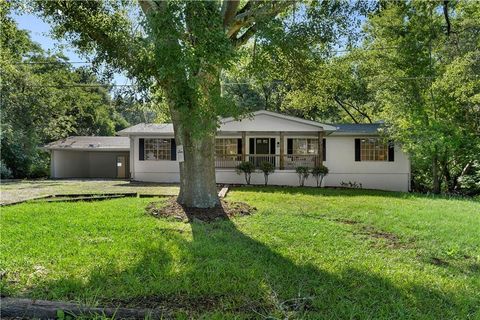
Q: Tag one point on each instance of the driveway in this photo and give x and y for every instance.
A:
(19, 190)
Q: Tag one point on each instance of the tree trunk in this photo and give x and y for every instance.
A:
(435, 174)
(198, 187)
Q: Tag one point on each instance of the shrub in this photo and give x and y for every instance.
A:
(267, 168)
(246, 168)
(350, 184)
(319, 172)
(5, 172)
(303, 173)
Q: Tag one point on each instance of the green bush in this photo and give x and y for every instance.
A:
(246, 168)
(303, 173)
(319, 172)
(267, 168)
(5, 172)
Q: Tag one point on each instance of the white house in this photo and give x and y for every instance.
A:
(353, 153)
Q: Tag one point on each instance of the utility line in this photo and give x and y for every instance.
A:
(89, 62)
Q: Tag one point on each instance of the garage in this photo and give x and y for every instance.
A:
(90, 157)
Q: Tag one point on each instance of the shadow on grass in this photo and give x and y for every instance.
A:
(220, 269)
(145, 184)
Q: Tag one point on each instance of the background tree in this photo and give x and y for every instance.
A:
(39, 104)
(181, 49)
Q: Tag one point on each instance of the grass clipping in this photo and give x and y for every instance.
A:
(172, 209)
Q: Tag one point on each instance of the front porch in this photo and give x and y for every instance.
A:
(281, 162)
(285, 150)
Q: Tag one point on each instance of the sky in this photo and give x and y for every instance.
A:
(39, 32)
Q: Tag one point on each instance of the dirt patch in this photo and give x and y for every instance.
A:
(346, 221)
(438, 262)
(172, 209)
(390, 240)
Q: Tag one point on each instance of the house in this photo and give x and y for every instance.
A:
(353, 153)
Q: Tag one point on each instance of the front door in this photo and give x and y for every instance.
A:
(262, 146)
(121, 167)
(263, 150)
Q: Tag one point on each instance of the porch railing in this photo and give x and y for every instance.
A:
(290, 161)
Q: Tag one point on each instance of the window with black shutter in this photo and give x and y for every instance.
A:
(173, 150)
(289, 146)
(141, 149)
(391, 151)
(357, 150)
(324, 148)
(272, 146)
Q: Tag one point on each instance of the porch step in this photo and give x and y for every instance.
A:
(223, 192)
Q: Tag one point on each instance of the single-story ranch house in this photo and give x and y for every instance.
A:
(353, 153)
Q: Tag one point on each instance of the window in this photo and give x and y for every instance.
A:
(373, 149)
(305, 146)
(158, 149)
(226, 147)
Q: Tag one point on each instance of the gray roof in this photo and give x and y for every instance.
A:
(157, 128)
(167, 128)
(92, 143)
(358, 128)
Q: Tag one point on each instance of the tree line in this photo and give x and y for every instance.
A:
(44, 98)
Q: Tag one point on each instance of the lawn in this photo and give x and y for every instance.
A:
(306, 253)
(18, 190)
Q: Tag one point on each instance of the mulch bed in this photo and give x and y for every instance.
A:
(172, 209)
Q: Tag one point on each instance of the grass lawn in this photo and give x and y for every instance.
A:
(306, 253)
(16, 190)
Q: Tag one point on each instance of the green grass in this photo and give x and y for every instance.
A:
(306, 253)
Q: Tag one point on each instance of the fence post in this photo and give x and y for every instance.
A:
(319, 160)
(244, 145)
(282, 150)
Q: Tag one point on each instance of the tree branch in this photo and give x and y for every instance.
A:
(344, 108)
(240, 41)
(447, 18)
(364, 114)
(229, 10)
(247, 18)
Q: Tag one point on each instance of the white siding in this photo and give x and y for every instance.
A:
(340, 159)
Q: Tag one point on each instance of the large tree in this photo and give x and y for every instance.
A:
(180, 48)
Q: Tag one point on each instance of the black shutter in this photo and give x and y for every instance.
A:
(391, 151)
(173, 150)
(141, 149)
(251, 147)
(289, 146)
(272, 146)
(239, 146)
(357, 150)
(324, 147)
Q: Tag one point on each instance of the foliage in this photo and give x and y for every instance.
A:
(319, 172)
(39, 106)
(426, 269)
(303, 174)
(435, 119)
(352, 185)
(247, 168)
(5, 172)
(267, 168)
